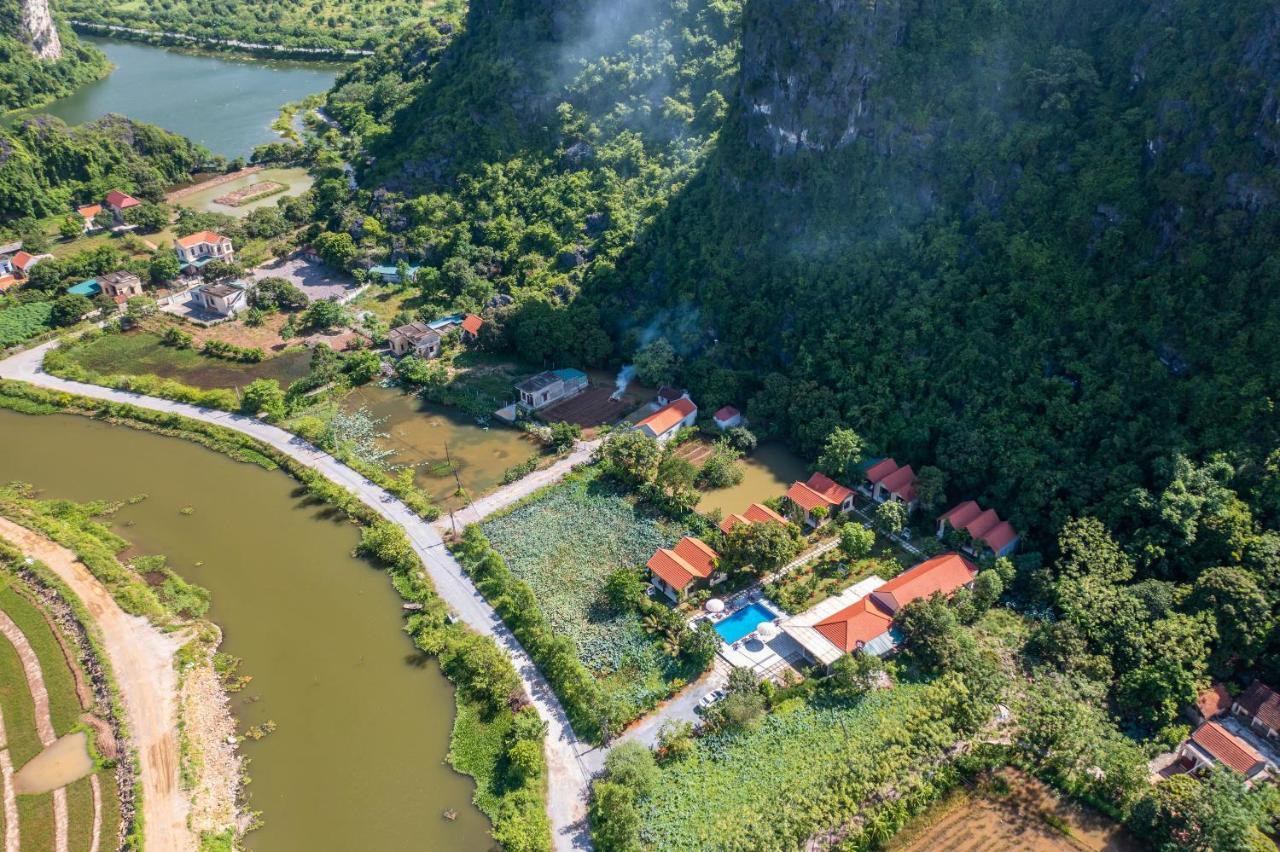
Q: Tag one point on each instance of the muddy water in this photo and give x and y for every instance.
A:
(358, 759)
(770, 470)
(57, 766)
(419, 432)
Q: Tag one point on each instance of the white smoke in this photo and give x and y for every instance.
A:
(625, 375)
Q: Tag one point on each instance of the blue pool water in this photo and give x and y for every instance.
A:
(744, 622)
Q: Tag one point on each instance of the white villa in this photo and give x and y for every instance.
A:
(195, 250)
(222, 299)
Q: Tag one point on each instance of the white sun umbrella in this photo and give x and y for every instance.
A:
(767, 630)
(714, 605)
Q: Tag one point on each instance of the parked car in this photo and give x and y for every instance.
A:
(709, 699)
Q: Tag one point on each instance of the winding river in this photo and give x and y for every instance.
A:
(357, 761)
(225, 103)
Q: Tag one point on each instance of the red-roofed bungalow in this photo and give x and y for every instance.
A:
(675, 570)
(756, 513)
(819, 491)
(728, 417)
(1212, 743)
(985, 529)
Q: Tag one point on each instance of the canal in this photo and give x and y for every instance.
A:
(225, 103)
(358, 759)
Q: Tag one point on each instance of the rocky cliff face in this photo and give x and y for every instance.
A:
(808, 67)
(36, 29)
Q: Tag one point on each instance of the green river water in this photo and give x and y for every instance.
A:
(358, 760)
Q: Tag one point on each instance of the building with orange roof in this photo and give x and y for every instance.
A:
(118, 202)
(8, 281)
(756, 513)
(88, 213)
(875, 473)
(23, 261)
(727, 417)
(195, 250)
(944, 574)
(1260, 705)
(899, 485)
(1211, 744)
(1212, 703)
(675, 570)
(819, 491)
(985, 529)
(471, 325)
(663, 424)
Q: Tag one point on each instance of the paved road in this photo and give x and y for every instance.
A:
(569, 779)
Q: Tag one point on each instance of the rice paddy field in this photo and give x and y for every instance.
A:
(565, 544)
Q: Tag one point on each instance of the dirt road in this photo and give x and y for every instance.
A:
(142, 660)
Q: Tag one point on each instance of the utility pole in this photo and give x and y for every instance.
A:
(449, 461)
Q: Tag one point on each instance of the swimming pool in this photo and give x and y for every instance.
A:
(744, 622)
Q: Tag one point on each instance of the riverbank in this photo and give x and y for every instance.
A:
(567, 774)
(198, 43)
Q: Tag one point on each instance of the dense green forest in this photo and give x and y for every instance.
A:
(47, 167)
(322, 25)
(25, 79)
(1028, 243)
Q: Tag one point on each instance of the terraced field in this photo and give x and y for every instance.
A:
(55, 796)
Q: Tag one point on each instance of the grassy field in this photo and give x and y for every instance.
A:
(142, 353)
(565, 545)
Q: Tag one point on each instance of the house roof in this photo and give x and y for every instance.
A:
(960, 515)
(413, 331)
(901, 482)
(984, 526)
(668, 392)
(89, 210)
(10, 248)
(806, 498)
(1213, 702)
(7, 281)
(122, 200)
(471, 324)
(201, 237)
(24, 260)
(678, 567)
(219, 290)
(855, 625)
(118, 278)
(533, 384)
(944, 574)
(1263, 703)
(727, 413)
(668, 417)
(999, 536)
(880, 470)
(756, 513)
(829, 488)
(569, 374)
(1226, 748)
(803, 627)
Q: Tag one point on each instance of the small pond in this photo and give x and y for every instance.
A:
(66, 760)
(419, 432)
(296, 180)
(769, 472)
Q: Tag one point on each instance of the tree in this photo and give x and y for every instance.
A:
(615, 819)
(69, 309)
(987, 588)
(1172, 658)
(624, 589)
(656, 363)
(891, 516)
(274, 293)
(854, 675)
(323, 314)
(138, 308)
(675, 481)
(1216, 813)
(362, 366)
(856, 541)
(220, 270)
(632, 456)
(148, 217)
(720, 469)
(675, 739)
(702, 645)
(931, 487)
(933, 633)
(1086, 548)
(841, 454)
(760, 548)
(741, 439)
(163, 267)
(71, 227)
(564, 435)
(1232, 598)
(337, 249)
(633, 765)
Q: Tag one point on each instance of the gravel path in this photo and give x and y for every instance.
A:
(568, 775)
(142, 659)
(44, 722)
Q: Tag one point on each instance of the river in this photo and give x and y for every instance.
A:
(225, 103)
(358, 759)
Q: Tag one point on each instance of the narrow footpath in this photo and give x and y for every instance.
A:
(568, 775)
(142, 660)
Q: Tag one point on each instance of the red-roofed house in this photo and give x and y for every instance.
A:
(471, 325)
(88, 212)
(899, 485)
(1212, 703)
(668, 394)
(1260, 704)
(944, 573)
(984, 528)
(118, 202)
(7, 281)
(1211, 743)
(674, 570)
(728, 417)
(22, 262)
(664, 423)
(819, 491)
(875, 474)
(756, 513)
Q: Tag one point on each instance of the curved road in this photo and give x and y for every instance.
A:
(569, 778)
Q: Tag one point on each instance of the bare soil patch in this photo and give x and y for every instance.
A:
(593, 407)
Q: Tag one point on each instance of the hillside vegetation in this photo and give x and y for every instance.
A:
(26, 80)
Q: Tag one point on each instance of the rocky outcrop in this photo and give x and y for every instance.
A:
(808, 67)
(37, 31)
